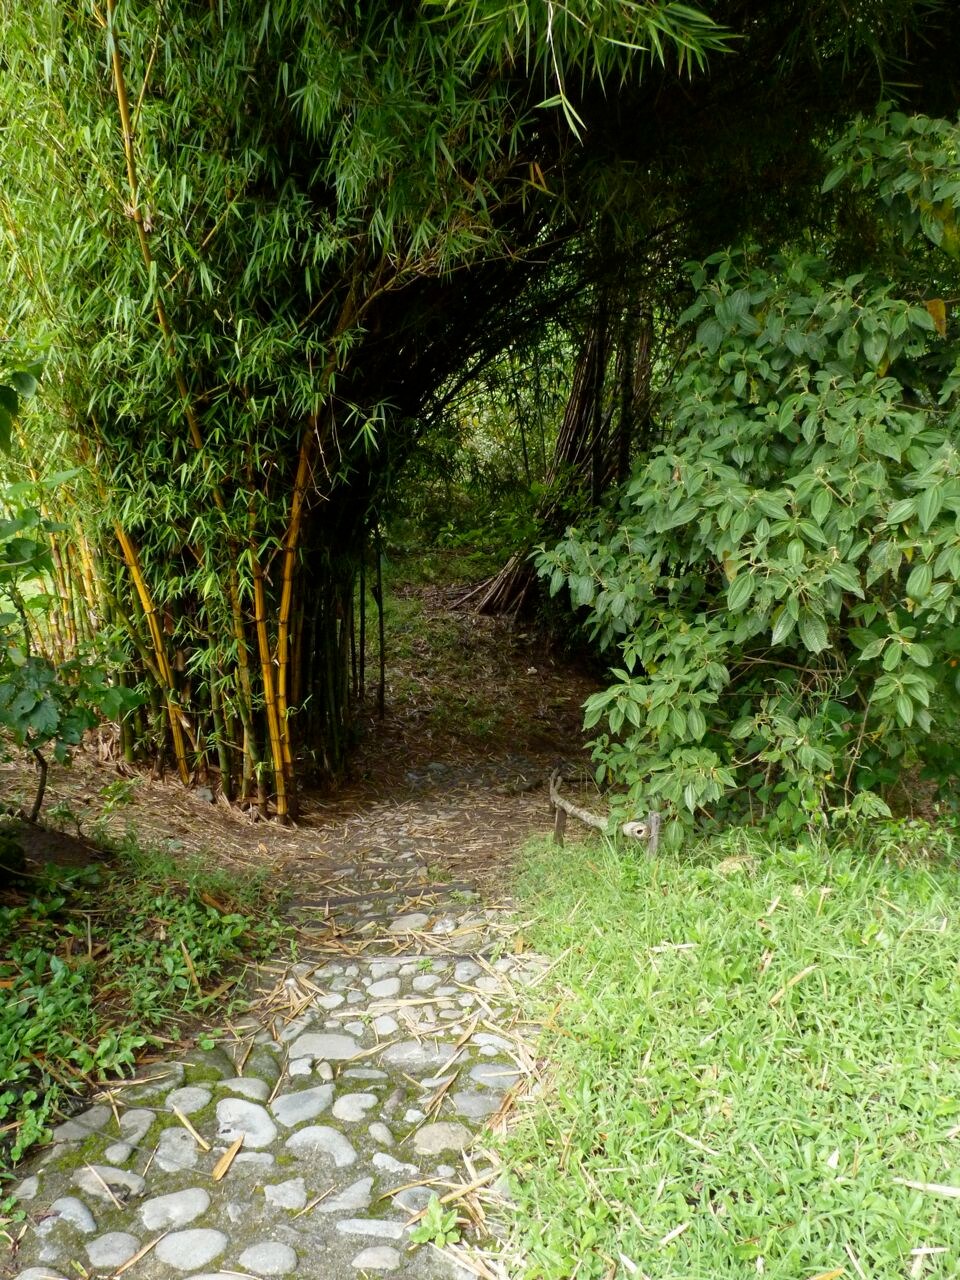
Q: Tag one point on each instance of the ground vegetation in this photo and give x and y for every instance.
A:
(753, 1061)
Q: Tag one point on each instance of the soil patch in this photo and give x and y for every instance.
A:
(440, 792)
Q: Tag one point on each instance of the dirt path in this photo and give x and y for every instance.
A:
(440, 794)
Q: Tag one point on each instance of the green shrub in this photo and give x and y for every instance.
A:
(781, 579)
(43, 704)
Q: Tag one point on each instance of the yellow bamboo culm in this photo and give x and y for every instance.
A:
(269, 694)
(291, 543)
(245, 701)
(156, 635)
(89, 574)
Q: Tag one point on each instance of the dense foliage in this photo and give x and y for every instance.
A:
(782, 577)
(239, 230)
(261, 242)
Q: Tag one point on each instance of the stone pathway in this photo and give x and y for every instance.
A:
(352, 1099)
(373, 1070)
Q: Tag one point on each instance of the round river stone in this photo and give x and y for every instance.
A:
(174, 1210)
(188, 1249)
(236, 1116)
(321, 1138)
(112, 1250)
(269, 1259)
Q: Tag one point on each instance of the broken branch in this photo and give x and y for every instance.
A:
(647, 828)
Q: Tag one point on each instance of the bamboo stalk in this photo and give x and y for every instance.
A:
(296, 659)
(269, 691)
(251, 762)
(291, 542)
(248, 772)
(381, 629)
(346, 642)
(363, 619)
(68, 621)
(354, 673)
(89, 573)
(220, 734)
(193, 426)
(126, 739)
(143, 652)
(81, 615)
(156, 635)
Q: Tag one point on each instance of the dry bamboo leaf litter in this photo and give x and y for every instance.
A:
(201, 1142)
(221, 1168)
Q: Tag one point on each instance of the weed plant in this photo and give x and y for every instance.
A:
(755, 1062)
(100, 963)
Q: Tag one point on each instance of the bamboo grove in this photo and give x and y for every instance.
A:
(256, 244)
(238, 231)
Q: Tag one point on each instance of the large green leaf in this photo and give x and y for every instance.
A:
(920, 581)
(813, 631)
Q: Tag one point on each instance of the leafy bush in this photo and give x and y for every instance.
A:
(43, 704)
(781, 579)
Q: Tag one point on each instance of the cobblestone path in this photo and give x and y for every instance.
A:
(363, 1084)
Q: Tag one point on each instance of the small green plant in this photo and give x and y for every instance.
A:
(44, 705)
(64, 815)
(907, 841)
(117, 795)
(437, 1226)
(96, 962)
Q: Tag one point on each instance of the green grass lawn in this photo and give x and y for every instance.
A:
(753, 1055)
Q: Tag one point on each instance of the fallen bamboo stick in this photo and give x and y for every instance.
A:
(647, 828)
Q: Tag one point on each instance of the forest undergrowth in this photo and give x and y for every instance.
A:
(129, 918)
(111, 955)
